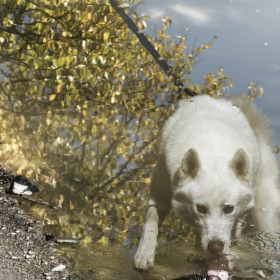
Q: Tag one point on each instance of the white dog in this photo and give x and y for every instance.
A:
(216, 169)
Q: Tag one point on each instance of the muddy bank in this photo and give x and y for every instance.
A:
(24, 251)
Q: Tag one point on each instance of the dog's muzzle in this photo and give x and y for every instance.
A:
(215, 247)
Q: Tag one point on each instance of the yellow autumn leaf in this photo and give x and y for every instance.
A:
(106, 36)
(52, 97)
(48, 121)
(89, 16)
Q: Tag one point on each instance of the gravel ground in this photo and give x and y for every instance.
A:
(24, 251)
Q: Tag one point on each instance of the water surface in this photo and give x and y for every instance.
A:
(82, 105)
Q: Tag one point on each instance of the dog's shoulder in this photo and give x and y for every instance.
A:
(257, 120)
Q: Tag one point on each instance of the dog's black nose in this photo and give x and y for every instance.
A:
(215, 247)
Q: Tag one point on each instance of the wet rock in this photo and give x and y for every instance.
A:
(59, 267)
(23, 186)
(49, 237)
(70, 241)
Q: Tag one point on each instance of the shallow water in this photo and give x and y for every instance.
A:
(81, 110)
(258, 258)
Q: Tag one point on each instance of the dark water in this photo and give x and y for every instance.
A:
(82, 104)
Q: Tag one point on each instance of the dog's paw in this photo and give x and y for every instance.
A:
(144, 258)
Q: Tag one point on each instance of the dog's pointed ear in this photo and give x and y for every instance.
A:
(240, 165)
(190, 163)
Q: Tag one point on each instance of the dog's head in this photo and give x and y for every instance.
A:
(214, 197)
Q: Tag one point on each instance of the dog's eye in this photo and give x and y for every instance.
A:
(228, 209)
(201, 208)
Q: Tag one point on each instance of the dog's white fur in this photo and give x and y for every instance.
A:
(216, 169)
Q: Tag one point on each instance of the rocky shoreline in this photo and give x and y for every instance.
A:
(24, 251)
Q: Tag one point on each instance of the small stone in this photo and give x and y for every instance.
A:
(261, 273)
(67, 240)
(21, 185)
(59, 267)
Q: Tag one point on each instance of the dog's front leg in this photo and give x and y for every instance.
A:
(159, 205)
(145, 254)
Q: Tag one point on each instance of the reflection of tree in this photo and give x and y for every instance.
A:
(81, 108)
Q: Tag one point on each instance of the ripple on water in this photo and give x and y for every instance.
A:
(259, 255)
(259, 272)
(265, 242)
